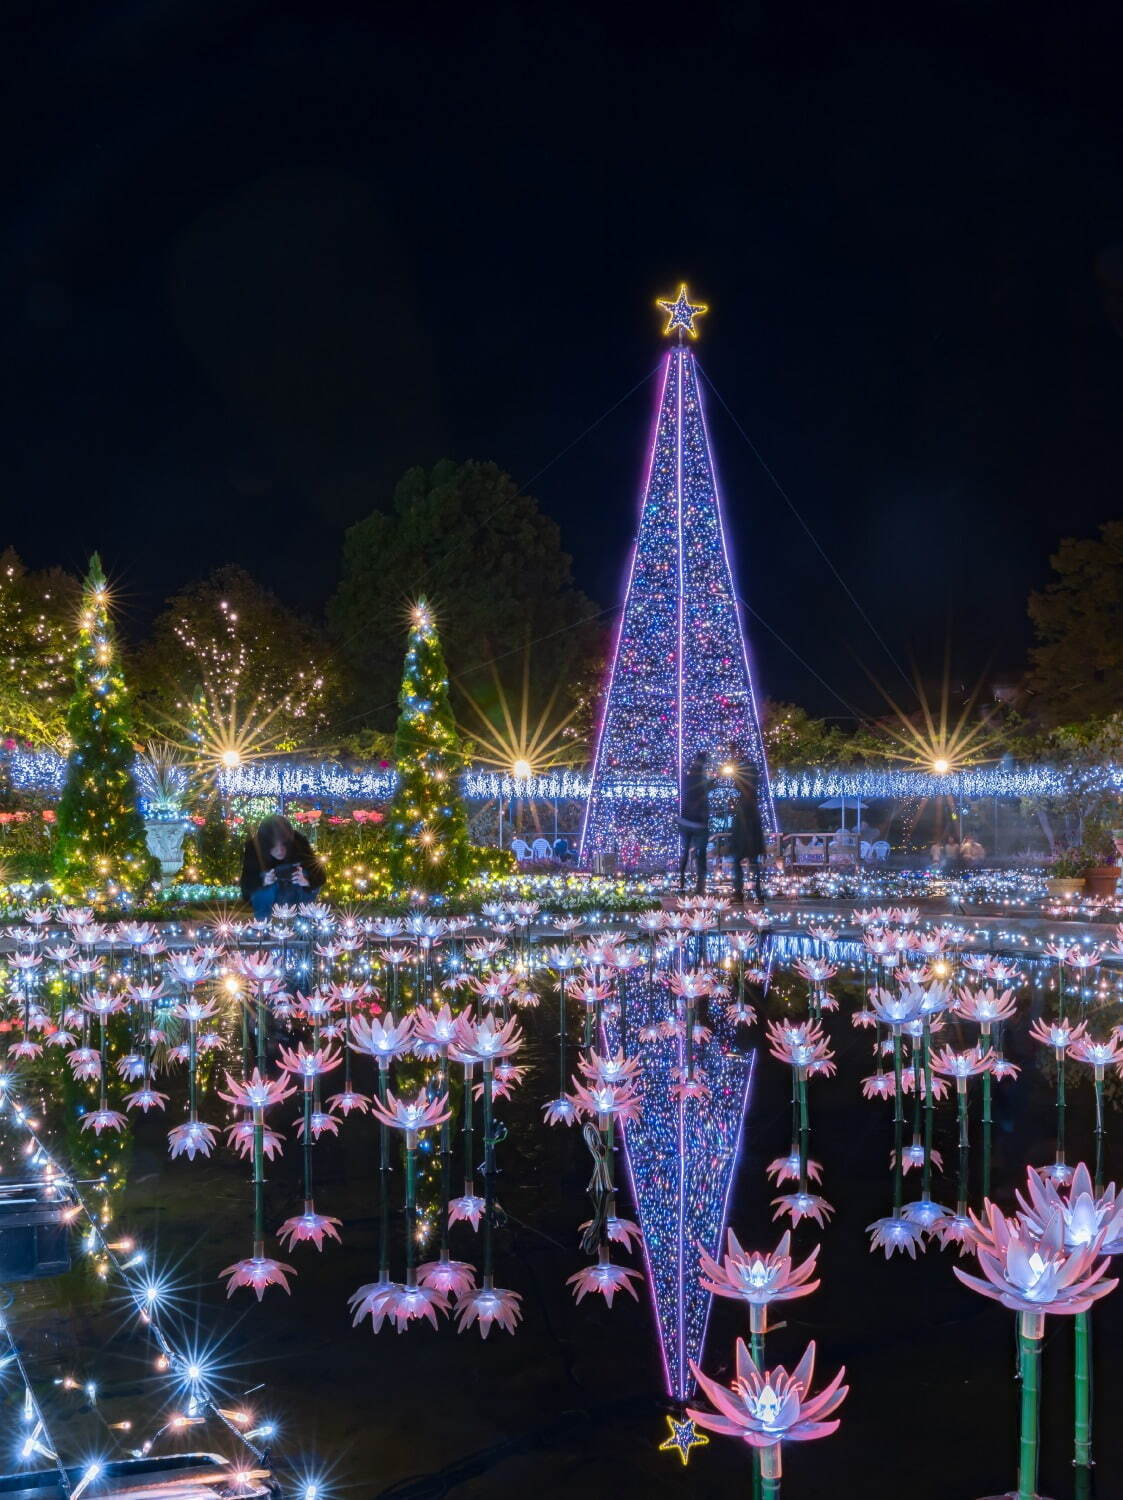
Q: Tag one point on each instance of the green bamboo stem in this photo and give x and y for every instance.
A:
(986, 1133)
(804, 1129)
(929, 1110)
(384, 1185)
(307, 1140)
(192, 1064)
(411, 1206)
(964, 1144)
(1061, 1104)
(1030, 1350)
(468, 1131)
(1082, 1390)
(259, 1176)
(489, 1171)
(1098, 1085)
(898, 1127)
(446, 1159)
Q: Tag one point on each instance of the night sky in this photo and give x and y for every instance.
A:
(258, 258)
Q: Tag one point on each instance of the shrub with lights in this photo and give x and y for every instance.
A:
(100, 850)
(428, 827)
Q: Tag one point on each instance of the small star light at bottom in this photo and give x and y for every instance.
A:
(682, 1436)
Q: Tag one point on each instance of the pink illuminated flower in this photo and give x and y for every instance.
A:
(561, 1111)
(469, 1209)
(240, 1136)
(382, 1039)
(786, 1169)
(1084, 1217)
(616, 1069)
(695, 984)
(405, 1303)
(1036, 1273)
(1059, 1034)
(896, 1233)
(344, 1103)
(878, 1086)
(411, 1116)
(984, 1007)
(258, 1272)
(453, 1278)
(604, 1278)
(486, 1306)
(320, 1122)
(26, 1049)
(191, 1138)
(607, 1099)
(799, 1206)
(755, 1278)
(308, 1226)
(306, 1062)
(373, 1301)
(800, 1045)
(963, 1065)
(104, 1119)
(257, 1092)
(85, 1062)
(692, 1087)
(485, 1041)
(145, 1099)
(768, 1407)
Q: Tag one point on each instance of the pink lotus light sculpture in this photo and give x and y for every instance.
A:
(308, 1227)
(412, 1115)
(258, 1273)
(145, 1099)
(192, 1138)
(454, 1278)
(767, 1408)
(488, 1306)
(104, 1119)
(604, 1278)
(758, 1279)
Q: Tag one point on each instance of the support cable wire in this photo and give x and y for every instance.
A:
(790, 503)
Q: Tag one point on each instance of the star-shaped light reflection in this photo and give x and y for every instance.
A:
(682, 312)
(683, 1435)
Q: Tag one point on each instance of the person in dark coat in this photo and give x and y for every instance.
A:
(279, 868)
(694, 821)
(746, 839)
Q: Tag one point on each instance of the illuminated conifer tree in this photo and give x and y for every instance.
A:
(680, 679)
(428, 833)
(100, 848)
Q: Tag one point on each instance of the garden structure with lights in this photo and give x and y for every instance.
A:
(556, 1141)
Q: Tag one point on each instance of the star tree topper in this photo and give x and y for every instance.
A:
(683, 1436)
(682, 312)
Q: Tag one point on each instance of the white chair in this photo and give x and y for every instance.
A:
(880, 850)
(540, 849)
(866, 849)
(520, 848)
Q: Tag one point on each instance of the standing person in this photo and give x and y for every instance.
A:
(279, 868)
(746, 839)
(694, 821)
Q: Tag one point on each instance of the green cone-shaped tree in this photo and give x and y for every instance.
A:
(99, 848)
(428, 828)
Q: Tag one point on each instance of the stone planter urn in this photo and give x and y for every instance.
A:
(165, 837)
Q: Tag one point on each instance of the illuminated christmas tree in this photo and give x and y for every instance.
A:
(428, 828)
(680, 678)
(99, 849)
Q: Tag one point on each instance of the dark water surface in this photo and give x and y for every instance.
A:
(573, 1403)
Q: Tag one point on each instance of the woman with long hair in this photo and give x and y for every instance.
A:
(279, 868)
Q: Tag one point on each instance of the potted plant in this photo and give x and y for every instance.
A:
(164, 779)
(1065, 874)
(1102, 873)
